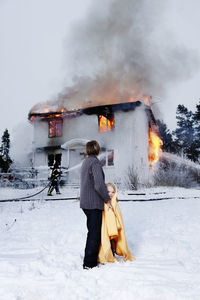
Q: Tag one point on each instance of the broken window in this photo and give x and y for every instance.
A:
(108, 158)
(54, 159)
(50, 160)
(55, 128)
(106, 123)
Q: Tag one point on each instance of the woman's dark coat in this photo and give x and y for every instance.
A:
(93, 192)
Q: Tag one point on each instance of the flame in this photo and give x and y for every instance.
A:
(45, 108)
(53, 115)
(155, 144)
(97, 98)
(106, 124)
(140, 97)
(32, 118)
(55, 128)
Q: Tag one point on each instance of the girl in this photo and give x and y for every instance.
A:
(113, 238)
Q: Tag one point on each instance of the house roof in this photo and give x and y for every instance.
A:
(101, 109)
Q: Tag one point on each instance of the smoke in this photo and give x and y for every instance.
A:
(120, 50)
(21, 147)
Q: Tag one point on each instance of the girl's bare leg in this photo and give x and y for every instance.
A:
(113, 246)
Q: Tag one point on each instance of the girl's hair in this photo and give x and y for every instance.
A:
(92, 148)
(112, 185)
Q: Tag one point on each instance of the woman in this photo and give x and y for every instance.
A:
(93, 195)
(113, 238)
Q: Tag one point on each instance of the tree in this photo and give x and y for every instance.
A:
(185, 133)
(5, 160)
(197, 112)
(197, 129)
(166, 136)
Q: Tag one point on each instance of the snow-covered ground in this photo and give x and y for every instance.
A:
(42, 245)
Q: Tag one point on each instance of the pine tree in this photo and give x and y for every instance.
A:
(166, 136)
(185, 133)
(197, 112)
(5, 160)
(197, 129)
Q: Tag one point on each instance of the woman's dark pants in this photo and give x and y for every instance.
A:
(94, 220)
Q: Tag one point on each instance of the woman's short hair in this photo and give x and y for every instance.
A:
(92, 148)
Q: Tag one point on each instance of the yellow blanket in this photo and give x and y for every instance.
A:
(113, 228)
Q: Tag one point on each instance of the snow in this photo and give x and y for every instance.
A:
(41, 252)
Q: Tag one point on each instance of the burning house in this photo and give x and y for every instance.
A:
(125, 130)
(114, 57)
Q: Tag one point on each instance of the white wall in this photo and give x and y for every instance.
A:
(130, 141)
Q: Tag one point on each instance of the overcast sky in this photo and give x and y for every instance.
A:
(32, 60)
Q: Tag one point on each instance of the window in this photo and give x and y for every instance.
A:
(50, 160)
(54, 159)
(55, 128)
(108, 159)
(106, 123)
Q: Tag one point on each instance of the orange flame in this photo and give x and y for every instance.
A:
(32, 118)
(106, 124)
(97, 99)
(155, 144)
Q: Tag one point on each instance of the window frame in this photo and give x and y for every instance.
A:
(108, 151)
(56, 130)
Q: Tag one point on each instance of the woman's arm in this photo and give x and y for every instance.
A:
(99, 183)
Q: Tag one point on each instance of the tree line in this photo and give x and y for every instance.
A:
(185, 139)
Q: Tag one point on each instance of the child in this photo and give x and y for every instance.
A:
(113, 238)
